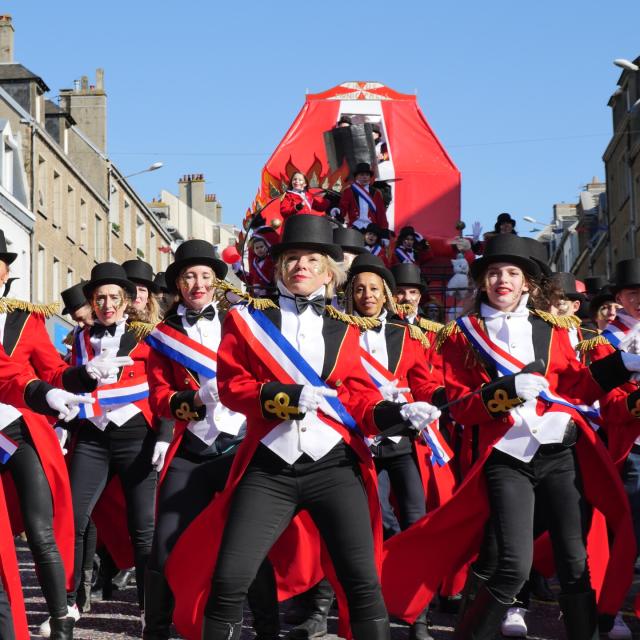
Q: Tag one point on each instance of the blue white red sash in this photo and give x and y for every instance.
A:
(405, 256)
(506, 364)
(361, 192)
(375, 250)
(259, 271)
(285, 363)
(117, 394)
(7, 448)
(303, 196)
(182, 349)
(616, 330)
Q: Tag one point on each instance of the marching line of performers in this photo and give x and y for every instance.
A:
(324, 441)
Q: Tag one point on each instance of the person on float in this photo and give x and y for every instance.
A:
(527, 426)
(303, 430)
(405, 251)
(261, 265)
(116, 437)
(144, 307)
(206, 435)
(361, 203)
(375, 244)
(298, 199)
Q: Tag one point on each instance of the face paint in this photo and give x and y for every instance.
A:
(115, 299)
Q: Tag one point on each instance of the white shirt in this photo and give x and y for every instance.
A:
(292, 438)
(8, 413)
(363, 207)
(513, 332)
(118, 414)
(221, 419)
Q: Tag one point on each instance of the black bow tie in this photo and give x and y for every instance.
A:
(99, 330)
(317, 303)
(193, 316)
(377, 328)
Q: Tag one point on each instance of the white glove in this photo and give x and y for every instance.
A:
(159, 454)
(391, 391)
(61, 434)
(208, 392)
(65, 403)
(529, 385)
(476, 230)
(311, 397)
(419, 414)
(634, 345)
(631, 361)
(106, 365)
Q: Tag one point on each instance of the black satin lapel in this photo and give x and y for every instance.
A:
(394, 334)
(275, 316)
(128, 342)
(13, 329)
(333, 333)
(175, 322)
(541, 334)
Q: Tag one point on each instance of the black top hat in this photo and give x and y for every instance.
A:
(108, 273)
(408, 274)
(194, 252)
(502, 219)
(605, 295)
(372, 227)
(376, 129)
(627, 275)
(6, 256)
(406, 231)
(350, 240)
(345, 120)
(506, 247)
(538, 253)
(595, 284)
(161, 282)
(368, 263)
(567, 282)
(73, 298)
(141, 272)
(362, 167)
(308, 232)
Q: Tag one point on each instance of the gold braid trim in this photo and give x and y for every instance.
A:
(224, 302)
(404, 309)
(566, 322)
(448, 329)
(141, 329)
(357, 321)
(10, 304)
(429, 325)
(416, 333)
(587, 345)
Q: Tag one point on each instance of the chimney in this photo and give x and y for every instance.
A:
(6, 39)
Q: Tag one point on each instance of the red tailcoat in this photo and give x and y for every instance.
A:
(256, 278)
(350, 207)
(419, 556)
(291, 200)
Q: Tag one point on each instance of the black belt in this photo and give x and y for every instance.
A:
(570, 437)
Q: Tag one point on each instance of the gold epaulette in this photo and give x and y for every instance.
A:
(566, 322)
(404, 309)
(448, 329)
(429, 325)
(416, 333)
(9, 304)
(591, 343)
(357, 321)
(141, 329)
(227, 295)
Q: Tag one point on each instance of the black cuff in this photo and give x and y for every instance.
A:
(182, 405)
(439, 397)
(387, 414)
(280, 401)
(610, 372)
(164, 432)
(77, 380)
(35, 397)
(501, 395)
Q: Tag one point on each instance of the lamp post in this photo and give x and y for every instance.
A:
(153, 167)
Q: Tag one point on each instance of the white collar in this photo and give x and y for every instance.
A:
(487, 311)
(287, 294)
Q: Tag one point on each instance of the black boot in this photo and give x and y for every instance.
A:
(315, 626)
(580, 615)
(83, 597)
(158, 606)
(482, 618)
(299, 609)
(371, 630)
(539, 587)
(419, 630)
(216, 630)
(263, 602)
(471, 586)
(62, 628)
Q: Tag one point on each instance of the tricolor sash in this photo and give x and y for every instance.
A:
(181, 348)
(404, 256)
(285, 362)
(360, 192)
(507, 364)
(302, 195)
(615, 331)
(376, 250)
(7, 448)
(259, 271)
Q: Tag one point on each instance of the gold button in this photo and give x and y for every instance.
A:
(186, 380)
(338, 382)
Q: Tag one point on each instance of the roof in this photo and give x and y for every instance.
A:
(19, 73)
(51, 109)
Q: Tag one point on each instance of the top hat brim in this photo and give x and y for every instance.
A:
(219, 267)
(529, 266)
(598, 300)
(8, 257)
(127, 285)
(68, 310)
(379, 270)
(332, 250)
(422, 286)
(354, 249)
(152, 286)
(616, 288)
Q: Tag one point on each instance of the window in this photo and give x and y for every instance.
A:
(41, 269)
(57, 200)
(126, 220)
(72, 220)
(55, 280)
(140, 237)
(98, 239)
(41, 187)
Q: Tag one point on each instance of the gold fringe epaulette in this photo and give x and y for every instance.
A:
(566, 322)
(429, 325)
(404, 309)
(449, 329)
(47, 310)
(416, 333)
(357, 321)
(226, 292)
(141, 329)
(584, 346)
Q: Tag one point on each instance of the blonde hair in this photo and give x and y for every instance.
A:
(337, 271)
(150, 313)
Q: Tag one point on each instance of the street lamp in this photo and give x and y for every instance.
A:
(154, 167)
(623, 63)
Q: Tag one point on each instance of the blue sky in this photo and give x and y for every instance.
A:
(517, 92)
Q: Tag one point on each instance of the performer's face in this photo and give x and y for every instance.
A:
(83, 315)
(298, 181)
(305, 271)
(368, 294)
(504, 284)
(109, 303)
(260, 248)
(408, 295)
(408, 242)
(363, 179)
(4, 272)
(630, 301)
(565, 307)
(142, 296)
(607, 313)
(370, 238)
(197, 286)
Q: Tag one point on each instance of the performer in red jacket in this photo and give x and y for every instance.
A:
(361, 203)
(298, 199)
(116, 434)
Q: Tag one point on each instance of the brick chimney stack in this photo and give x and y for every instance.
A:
(6, 39)
(192, 191)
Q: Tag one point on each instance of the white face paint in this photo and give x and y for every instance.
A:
(197, 286)
(305, 271)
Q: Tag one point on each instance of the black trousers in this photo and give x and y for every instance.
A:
(96, 457)
(270, 493)
(552, 482)
(36, 505)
